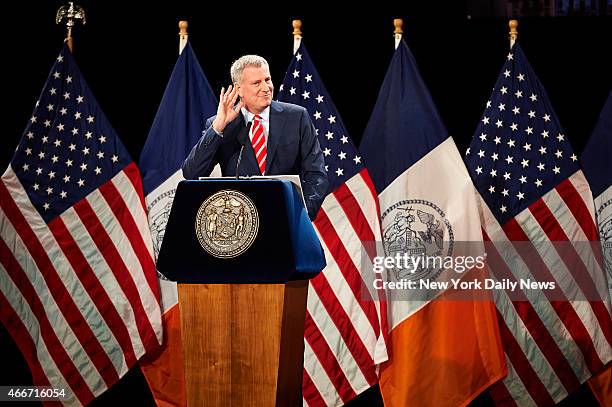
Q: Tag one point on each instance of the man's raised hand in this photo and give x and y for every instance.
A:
(226, 111)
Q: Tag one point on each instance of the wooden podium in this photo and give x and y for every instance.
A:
(243, 343)
(243, 317)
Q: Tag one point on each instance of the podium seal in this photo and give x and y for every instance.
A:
(227, 224)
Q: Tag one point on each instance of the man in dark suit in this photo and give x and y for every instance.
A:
(275, 138)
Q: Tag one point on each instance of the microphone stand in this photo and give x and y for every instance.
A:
(242, 138)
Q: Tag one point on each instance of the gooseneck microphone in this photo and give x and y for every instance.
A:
(243, 138)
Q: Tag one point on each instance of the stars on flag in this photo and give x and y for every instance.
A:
(303, 87)
(60, 134)
(509, 178)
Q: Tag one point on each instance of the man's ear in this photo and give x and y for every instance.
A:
(239, 89)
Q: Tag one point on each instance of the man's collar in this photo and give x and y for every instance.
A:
(248, 116)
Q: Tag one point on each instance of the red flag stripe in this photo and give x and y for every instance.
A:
(501, 396)
(114, 230)
(310, 393)
(356, 217)
(363, 232)
(345, 328)
(566, 312)
(555, 233)
(363, 188)
(321, 381)
(529, 377)
(58, 290)
(553, 230)
(355, 199)
(120, 210)
(512, 384)
(578, 207)
(588, 249)
(22, 338)
(117, 266)
(133, 175)
(126, 187)
(326, 328)
(534, 325)
(93, 287)
(137, 231)
(57, 351)
(360, 187)
(104, 274)
(328, 360)
(367, 180)
(349, 270)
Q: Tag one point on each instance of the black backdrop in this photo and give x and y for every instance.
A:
(127, 50)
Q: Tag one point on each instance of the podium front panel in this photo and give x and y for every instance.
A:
(269, 259)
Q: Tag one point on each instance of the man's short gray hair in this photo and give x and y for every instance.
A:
(244, 61)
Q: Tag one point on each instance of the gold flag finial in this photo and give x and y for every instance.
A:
(70, 13)
(399, 25)
(513, 33)
(183, 29)
(297, 28)
(398, 33)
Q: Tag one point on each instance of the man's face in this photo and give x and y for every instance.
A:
(256, 88)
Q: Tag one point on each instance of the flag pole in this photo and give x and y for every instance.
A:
(513, 33)
(399, 31)
(297, 34)
(70, 13)
(183, 36)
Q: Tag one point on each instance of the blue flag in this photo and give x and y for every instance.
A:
(596, 158)
(405, 124)
(597, 167)
(428, 207)
(187, 102)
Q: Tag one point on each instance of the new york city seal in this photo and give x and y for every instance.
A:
(227, 224)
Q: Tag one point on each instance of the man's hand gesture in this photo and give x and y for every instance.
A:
(226, 111)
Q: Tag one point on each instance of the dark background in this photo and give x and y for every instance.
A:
(126, 52)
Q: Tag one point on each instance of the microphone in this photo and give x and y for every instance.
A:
(242, 138)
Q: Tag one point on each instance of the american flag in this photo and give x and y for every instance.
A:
(345, 327)
(534, 191)
(78, 287)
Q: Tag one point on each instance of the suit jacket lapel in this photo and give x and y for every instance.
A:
(249, 161)
(235, 125)
(277, 129)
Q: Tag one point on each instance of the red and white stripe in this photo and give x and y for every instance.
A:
(551, 346)
(258, 140)
(346, 325)
(79, 295)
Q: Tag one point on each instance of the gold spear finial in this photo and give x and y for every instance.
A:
(70, 13)
(297, 34)
(183, 29)
(399, 31)
(399, 25)
(297, 28)
(513, 33)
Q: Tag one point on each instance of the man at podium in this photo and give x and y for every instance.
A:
(259, 136)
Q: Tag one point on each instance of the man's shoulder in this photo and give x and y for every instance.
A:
(289, 108)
